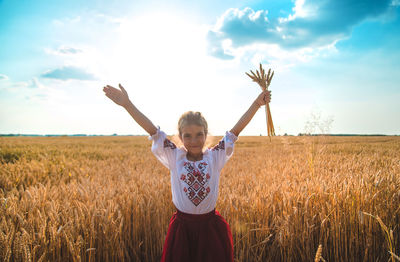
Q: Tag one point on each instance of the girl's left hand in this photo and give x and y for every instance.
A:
(264, 98)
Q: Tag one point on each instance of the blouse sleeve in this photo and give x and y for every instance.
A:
(163, 149)
(223, 150)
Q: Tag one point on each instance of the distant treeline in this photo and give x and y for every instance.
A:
(303, 134)
(60, 135)
(300, 134)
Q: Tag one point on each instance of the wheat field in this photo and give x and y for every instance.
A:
(108, 199)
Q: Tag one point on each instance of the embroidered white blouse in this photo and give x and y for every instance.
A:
(194, 184)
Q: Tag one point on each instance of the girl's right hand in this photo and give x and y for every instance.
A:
(120, 97)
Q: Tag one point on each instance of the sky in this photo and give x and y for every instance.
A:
(336, 64)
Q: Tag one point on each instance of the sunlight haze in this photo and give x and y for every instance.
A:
(335, 59)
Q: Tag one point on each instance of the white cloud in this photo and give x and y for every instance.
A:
(313, 26)
(66, 21)
(3, 77)
(7, 84)
(64, 50)
(30, 84)
(395, 2)
(69, 72)
(34, 90)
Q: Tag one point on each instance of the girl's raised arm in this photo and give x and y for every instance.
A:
(120, 97)
(262, 99)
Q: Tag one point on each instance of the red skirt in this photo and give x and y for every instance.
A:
(205, 237)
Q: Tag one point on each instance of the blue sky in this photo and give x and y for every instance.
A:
(336, 64)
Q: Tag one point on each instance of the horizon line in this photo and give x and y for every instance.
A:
(115, 134)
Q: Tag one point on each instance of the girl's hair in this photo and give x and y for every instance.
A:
(192, 118)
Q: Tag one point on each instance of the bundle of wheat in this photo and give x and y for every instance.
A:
(264, 80)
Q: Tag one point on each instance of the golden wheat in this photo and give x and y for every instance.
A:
(264, 81)
(108, 199)
(318, 255)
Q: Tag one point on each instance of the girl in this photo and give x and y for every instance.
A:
(197, 232)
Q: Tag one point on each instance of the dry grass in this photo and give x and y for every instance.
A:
(108, 199)
(264, 81)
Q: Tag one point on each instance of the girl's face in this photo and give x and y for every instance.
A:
(193, 138)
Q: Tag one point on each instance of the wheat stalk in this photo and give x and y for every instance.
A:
(105, 216)
(388, 235)
(318, 255)
(264, 80)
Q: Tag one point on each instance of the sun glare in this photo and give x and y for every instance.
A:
(158, 40)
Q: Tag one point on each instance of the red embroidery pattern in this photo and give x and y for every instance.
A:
(197, 181)
(168, 143)
(221, 145)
